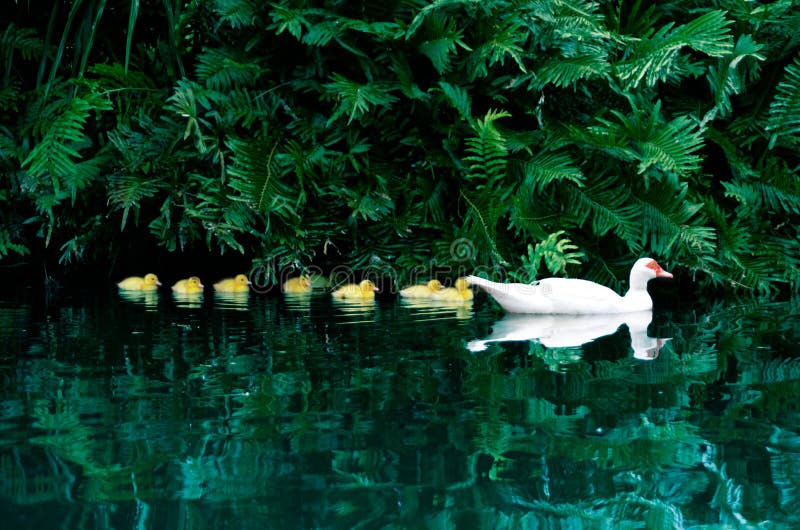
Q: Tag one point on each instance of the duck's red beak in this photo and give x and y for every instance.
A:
(660, 273)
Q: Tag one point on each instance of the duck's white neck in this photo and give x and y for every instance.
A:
(637, 296)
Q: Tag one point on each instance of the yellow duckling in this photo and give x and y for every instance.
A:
(190, 285)
(364, 290)
(422, 291)
(137, 283)
(239, 284)
(300, 284)
(460, 292)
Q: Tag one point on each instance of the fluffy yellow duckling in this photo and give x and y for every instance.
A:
(364, 290)
(422, 291)
(137, 283)
(190, 285)
(300, 284)
(461, 291)
(239, 284)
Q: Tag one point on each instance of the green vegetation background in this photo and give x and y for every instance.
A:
(539, 137)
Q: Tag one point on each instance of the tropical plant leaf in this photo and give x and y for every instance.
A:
(784, 111)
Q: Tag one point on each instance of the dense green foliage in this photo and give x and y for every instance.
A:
(375, 133)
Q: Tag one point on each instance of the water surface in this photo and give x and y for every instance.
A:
(266, 412)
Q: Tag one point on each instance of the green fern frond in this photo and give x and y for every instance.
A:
(240, 106)
(436, 5)
(26, 41)
(405, 77)
(114, 75)
(548, 167)
(236, 13)
(56, 156)
(256, 173)
(563, 72)
(459, 98)
(607, 206)
(222, 69)
(292, 21)
(127, 191)
(445, 38)
(9, 244)
(784, 111)
(672, 226)
(184, 102)
(556, 251)
(671, 147)
(656, 58)
(729, 76)
(355, 99)
(487, 149)
(781, 196)
(505, 42)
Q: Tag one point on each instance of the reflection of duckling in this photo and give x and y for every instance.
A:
(454, 294)
(300, 284)
(422, 291)
(239, 284)
(190, 285)
(365, 289)
(137, 283)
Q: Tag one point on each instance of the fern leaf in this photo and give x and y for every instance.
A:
(236, 13)
(729, 76)
(566, 71)
(256, 174)
(434, 6)
(445, 38)
(504, 42)
(784, 111)
(656, 58)
(459, 98)
(292, 21)
(221, 69)
(126, 192)
(9, 244)
(548, 167)
(356, 99)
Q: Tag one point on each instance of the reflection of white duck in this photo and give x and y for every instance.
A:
(569, 296)
(566, 331)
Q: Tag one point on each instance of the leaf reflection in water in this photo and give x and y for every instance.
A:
(567, 331)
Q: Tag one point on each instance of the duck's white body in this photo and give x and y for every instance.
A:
(565, 296)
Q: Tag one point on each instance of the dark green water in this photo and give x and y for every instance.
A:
(268, 413)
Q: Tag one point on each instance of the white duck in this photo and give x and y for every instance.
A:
(568, 296)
